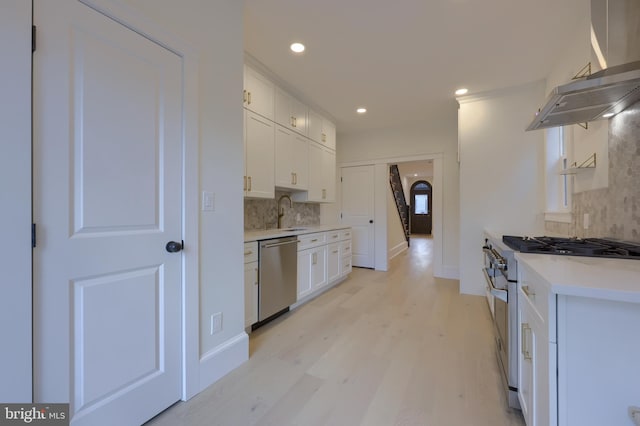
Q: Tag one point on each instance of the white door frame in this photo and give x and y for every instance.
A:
(15, 198)
(381, 186)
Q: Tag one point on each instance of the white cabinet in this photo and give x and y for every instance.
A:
(250, 283)
(328, 136)
(312, 270)
(291, 160)
(333, 261)
(537, 359)
(321, 130)
(259, 93)
(322, 176)
(324, 258)
(259, 147)
(290, 112)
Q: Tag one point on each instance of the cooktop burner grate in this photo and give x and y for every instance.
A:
(593, 247)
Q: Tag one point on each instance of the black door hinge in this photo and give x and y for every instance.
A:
(33, 38)
(33, 235)
(340, 178)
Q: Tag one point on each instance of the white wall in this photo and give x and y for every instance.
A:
(437, 134)
(501, 173)
(15, 199)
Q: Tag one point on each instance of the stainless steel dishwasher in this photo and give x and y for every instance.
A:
(278, 276)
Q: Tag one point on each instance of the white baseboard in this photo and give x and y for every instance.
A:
(447, 272)
(223, 359)
(317, 293)
(394, 251)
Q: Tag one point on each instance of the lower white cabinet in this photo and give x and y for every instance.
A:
(250, 283)
(333, 261)
(324, 258)
(312, 270)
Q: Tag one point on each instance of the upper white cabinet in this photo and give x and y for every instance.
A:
(290, 112)
(259, 93)
(322, 176)
(287, 145)
(292, 159)
(259, 149)
(321, 130)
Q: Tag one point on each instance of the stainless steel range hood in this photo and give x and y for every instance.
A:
(590, 98)
(615, 48)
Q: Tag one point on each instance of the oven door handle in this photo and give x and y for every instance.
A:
(496, 292)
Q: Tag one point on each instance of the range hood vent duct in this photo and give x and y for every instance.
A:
(609, 91)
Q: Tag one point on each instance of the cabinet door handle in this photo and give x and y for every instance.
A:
(324, 137)
(244, 186)
(293, 182)
(314, 258)
(295, 178)
(247, 253)
(249, 98)
(524, 348)
(324, 194)
(314, 240)
(335, 251)
(244, 96)
(249, 183)
(528, 292)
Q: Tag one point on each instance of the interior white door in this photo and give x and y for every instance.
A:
(357, 212)
(107, 200)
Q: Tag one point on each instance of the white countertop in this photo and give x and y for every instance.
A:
(610, 279)
(287, 232)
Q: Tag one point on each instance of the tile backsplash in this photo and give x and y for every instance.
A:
(263, 213)
(614, 212)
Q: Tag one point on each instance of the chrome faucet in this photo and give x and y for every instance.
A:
(281, 209)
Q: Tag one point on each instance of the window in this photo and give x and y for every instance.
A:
(421, 203)
(559, 187)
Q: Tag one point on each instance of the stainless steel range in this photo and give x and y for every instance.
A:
(501, 271)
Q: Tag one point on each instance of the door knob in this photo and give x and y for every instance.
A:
(173, 246)
(371, 221)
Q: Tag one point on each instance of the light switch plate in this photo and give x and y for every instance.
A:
(208, 201)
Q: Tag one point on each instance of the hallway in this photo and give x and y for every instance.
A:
(382, 348)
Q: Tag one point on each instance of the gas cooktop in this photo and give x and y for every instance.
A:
(593, 247)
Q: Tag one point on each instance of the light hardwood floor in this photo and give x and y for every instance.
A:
(382, 348)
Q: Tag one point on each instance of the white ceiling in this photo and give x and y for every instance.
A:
(403, 59)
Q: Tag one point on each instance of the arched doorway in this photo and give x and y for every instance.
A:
(421, 207)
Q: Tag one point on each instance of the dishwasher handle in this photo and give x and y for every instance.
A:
(269, 245)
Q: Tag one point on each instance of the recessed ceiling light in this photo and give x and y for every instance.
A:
(361, 110)
(608, 115)
(462, 91)
(297, 47)
(415, 175)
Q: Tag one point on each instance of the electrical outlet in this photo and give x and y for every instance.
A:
(216, 323)
(585, 221)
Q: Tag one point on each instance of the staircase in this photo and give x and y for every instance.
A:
(401, 202)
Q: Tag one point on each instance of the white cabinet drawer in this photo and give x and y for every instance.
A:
(345, 249)
(311, 240)
(251, 252)
(345, 266)
(333, 236)
(345, 234)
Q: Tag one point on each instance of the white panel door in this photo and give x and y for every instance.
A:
(107, 199)
(357, 212)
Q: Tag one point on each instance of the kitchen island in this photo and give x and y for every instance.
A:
(579, 319)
